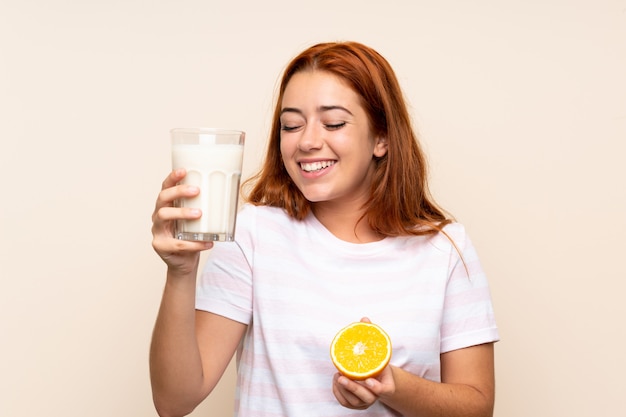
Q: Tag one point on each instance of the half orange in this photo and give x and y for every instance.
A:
(361, 350)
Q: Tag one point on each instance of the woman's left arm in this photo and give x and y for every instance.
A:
(467, 388)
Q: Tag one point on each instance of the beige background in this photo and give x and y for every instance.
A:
(521, 106)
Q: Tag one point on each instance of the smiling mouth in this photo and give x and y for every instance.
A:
(316, 166)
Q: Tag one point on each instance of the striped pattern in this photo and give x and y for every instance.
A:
(296, 285)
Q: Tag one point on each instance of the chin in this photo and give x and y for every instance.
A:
(316, 197)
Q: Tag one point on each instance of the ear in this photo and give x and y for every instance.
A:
(380, 148)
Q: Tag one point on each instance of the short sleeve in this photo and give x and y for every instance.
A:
(225, 284)
(468, 315)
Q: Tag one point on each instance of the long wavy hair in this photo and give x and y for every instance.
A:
(399, 201)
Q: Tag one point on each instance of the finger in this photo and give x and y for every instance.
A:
(373, 385)
(165, 244)
(352, 400)
(171, 245)
(164, 219)
(355, 393)
(165, 214)
(168, 195)
(173, 178)
(345, 397)
(365, 320)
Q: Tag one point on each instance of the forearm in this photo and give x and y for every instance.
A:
(175, 362)
(418, 397)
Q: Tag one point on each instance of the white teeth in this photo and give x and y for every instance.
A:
(316, 166)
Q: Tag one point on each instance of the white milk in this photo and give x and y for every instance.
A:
(216, 171)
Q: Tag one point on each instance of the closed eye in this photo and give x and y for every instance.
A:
(335, 126)
(286, 128)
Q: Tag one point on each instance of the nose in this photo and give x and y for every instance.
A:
(311, 138)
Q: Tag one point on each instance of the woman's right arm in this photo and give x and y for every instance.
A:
(190, 349)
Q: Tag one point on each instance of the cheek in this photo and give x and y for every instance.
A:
(284, 147)
(286, 153)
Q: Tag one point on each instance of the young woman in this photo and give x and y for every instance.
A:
(339, 226)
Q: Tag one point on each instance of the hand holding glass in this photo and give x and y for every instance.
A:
(213, 160)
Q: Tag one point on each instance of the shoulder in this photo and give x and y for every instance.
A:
(263, 221)
(452, 235)
(252, 213)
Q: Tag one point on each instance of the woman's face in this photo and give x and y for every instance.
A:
(326, 142)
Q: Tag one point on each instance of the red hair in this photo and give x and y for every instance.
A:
(399, 202)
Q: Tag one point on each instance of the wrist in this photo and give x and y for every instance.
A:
(181, 275)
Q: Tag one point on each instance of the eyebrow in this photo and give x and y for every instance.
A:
(320, 109)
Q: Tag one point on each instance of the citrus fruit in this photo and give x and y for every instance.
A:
(360, 350)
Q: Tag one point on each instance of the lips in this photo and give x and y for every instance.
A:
(315, 166)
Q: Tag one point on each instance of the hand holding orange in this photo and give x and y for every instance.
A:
(361, 350)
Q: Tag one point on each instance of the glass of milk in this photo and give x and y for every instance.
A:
(213, 160)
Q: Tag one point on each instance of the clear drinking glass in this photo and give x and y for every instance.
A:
(213, 159)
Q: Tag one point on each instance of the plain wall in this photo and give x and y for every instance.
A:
(521, 106)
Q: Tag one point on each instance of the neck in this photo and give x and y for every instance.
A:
(347, 225)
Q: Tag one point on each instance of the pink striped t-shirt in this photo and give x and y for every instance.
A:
(295, 285)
